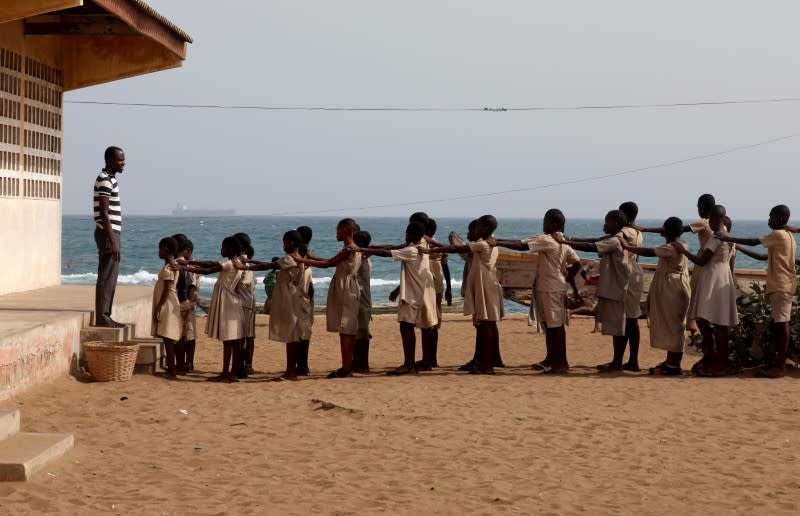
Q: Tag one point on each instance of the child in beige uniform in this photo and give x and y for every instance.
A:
(713, 303)
(483, 295)
(633, 294)
(225, 314)
(288, 314)
(361, 354)
(441, 282)
(556, 269)
(247, 291)
(417, 298)
(344, 295)
(781, 282)
(166, 321)
(308, 287)
(614, 277)
(668, 298)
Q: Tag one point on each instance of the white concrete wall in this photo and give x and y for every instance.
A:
(30, 235)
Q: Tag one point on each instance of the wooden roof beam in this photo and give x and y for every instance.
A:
(77, 26)
(10, 11)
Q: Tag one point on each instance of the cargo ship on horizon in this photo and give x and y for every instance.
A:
(182, 210)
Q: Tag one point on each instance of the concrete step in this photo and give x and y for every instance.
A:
(9, 423)
(130, 332)
(149, 356)
(96, 333)
(24, 454)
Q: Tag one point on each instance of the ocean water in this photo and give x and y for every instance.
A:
(140, 236)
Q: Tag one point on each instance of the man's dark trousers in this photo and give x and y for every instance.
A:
(107, 272)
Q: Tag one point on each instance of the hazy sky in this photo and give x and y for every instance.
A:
(460, 53)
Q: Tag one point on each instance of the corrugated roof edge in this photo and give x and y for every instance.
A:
(158, 16)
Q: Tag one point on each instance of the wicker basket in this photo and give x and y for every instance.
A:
(111, 361)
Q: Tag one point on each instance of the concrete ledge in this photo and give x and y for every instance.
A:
(24, 454)
(9, 423)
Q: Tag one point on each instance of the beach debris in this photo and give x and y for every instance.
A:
(198, 446)
(183, 411)
(238, 424)
(327, 405)
(123, 398)
(50, 474)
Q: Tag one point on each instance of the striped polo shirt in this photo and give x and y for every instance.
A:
(106, 186)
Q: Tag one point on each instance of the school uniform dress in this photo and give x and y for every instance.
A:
(714, 298)
(781, 275)
(187, 285)
(550, 283)
(437, 270)
(246, 290)
(344, 297)
(417, 298)
(483, 295)
(668, 300)
(613, 288)
(167, 322)
(633, 294)
(307, 286)
(288, 319)
(365, 302)
(225, 314)
(703, 231)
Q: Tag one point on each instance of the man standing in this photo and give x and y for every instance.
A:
(108, 225)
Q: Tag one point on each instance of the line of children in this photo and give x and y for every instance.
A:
(710, 300)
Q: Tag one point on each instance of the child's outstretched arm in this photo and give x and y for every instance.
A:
(573, 271)
(198, 263)
(370, 251)
(445, 249)
(253, 265)
(578, 246)
(752, 253)
(590, 240)
(726, 237)
(197, 269)
(448, 290)
(641, 251)
(330, 262)
(517, 245)
(700, 259)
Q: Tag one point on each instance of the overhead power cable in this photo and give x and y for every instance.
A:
(498, 109)
(632, 171)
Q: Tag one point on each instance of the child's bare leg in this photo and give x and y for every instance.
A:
(302, 358)
(494, 336)
(489, 342)
(347, 344)
(632, 335)
(720, 361)
(361, 356)
(435, 348)
(556, 349)
(249, 351)
(180, 355)
(674, 358)
(777, 367)
(620, 343)
(190, 347)
(169, 347)
(227, 351)
(428, 335)
(409, 338)
(708, 346)
(291, 361)
(548, 357)
(474, 360)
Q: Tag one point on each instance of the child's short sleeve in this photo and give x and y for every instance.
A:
(609, 245)
(570, 256)
(666, 251)
(713, 244)
(406, 254)
(165, 274)
(699, 226)
(286, 262)
(774, 239)
(480, 247)
(542, 243)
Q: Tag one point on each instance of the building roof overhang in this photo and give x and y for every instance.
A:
(102, 40)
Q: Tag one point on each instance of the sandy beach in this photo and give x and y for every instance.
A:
(438, 442)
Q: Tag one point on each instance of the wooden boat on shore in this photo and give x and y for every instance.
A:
(516, 271)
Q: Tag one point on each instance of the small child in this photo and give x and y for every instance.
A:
(668, 297)
(289, 313)
(247, 291)
(441, 282)
(344, 295)
(417, 296)
(483, 296)
(191, 291)
(781, 282)
(308, 287)
(457, 240)
(166, 321)
(269, 285)
(225, 315)
(557, 266)
(614, 277)
(361, 354)
(713, 302)
(633, 294)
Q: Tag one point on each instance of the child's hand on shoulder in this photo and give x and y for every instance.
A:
(423, 250)
(678, 245)
(559, 237)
